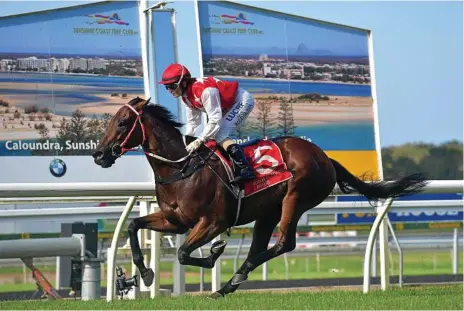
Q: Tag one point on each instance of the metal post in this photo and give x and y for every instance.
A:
(144, 38)
(91, 280)
(455, 251)
(392, 268)
(400, 253)
(374, 259)
(57, 271)
(286, 265)
(370, 243)
(155, 255)
(216, 271)
(58, 276)
(265, 271)
(113, 250)
(384, 260)
(141, 236)
(202, 273)
(180, 108)
(200, 57)
(237, 253)
(179, 270)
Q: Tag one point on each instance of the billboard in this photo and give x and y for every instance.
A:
(310, 79)
(368, 218)
(63, 74)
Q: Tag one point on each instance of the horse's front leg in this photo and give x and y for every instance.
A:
(156, 222)
(262, 233)
(203, 232)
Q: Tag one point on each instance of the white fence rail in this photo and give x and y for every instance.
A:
(65, 246)
(118, 189)
(381, 224)
(34, 191)
(114, 212)
(40, 190)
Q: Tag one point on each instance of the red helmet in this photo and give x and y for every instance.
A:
(174, 73)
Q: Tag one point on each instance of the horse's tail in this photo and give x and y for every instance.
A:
(349, 183)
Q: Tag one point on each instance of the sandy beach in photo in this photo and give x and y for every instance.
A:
(305, 113)
(103, 103)
(15, 124)
(109, 104)
(338, 109)
(23, 125)
(291, 80)
(97, 100)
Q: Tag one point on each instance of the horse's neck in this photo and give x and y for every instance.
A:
(166, 143)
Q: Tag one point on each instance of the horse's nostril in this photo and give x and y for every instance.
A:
(97, 154)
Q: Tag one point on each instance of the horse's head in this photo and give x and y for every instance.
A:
(125, 131)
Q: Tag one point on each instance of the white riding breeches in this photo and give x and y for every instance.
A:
(237, 114)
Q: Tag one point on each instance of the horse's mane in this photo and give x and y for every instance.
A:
(158, 113)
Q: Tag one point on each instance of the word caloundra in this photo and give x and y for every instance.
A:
(50, 145)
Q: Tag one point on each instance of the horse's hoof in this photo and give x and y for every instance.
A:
(148, 277)
(239, 279)
(215, 295)
(218, 247)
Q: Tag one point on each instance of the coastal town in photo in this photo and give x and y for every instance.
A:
(300, 68)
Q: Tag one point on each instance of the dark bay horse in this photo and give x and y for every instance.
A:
(191, 195)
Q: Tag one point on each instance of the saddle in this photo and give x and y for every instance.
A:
(264, 157)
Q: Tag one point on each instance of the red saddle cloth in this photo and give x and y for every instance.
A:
(265, 158)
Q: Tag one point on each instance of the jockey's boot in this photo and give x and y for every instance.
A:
(242, 169)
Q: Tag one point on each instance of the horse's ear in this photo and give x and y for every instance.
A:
(142, 104)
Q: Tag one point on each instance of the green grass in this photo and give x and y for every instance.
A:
(415, 263)
(408, 298)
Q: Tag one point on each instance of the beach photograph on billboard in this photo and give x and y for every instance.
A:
(310, 79)
(63, 74)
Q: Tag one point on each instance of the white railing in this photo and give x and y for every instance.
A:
(34, 191)
(40, 190)
(114, 212)
(381, 225)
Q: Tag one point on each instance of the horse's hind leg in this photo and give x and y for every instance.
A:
(203, 232)
(156, 222)
(286, 242)
(262, 233)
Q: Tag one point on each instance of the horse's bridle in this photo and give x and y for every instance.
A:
(144, 137)
(121, 146)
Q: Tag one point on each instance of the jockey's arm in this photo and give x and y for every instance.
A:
(193, 120)
(212, 104)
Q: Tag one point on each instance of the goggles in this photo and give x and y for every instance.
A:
(174, 86)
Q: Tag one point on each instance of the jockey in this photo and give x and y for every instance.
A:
(226, 105)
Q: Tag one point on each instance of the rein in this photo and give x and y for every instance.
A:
(144, 137)
(186, 170)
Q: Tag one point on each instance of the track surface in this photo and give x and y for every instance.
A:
(407, 280)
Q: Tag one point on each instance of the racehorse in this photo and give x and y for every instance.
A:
(193, 190)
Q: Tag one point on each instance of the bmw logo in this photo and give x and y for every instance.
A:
(57, 168)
